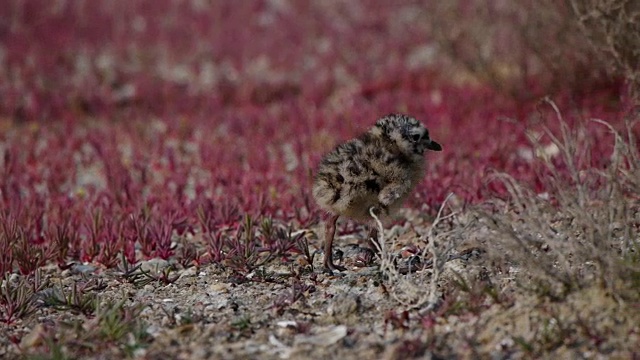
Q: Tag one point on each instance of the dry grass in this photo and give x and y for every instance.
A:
(613, 27)
(533, 48)
(415, 286)
(570, 256)
(582, 232)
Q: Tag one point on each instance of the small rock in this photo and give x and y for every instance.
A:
(287, 323)
(218, 288)
(210, 308)
(154, 330)
(344, 305)
(139, 353)
(324, 337)
(83, 269)
(154, 265)
(189, 272)
(34, 337)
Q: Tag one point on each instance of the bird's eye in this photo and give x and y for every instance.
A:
(415, 137)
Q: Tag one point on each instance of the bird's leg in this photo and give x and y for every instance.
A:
(329, 232)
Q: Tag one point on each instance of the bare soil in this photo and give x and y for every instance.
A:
(285, 310)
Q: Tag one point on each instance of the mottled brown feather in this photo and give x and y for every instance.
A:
(379, 168)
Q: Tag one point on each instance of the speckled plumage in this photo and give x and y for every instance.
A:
(379, 168)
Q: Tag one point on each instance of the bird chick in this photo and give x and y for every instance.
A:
(379, 168)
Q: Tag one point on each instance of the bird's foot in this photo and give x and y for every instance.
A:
(330, 266)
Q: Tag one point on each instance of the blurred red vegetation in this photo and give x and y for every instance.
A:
(128, 125)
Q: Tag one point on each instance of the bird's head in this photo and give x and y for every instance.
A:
(407, 133)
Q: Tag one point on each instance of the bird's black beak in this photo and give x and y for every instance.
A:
(432, 145)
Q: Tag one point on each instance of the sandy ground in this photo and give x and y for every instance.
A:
(286, 310)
